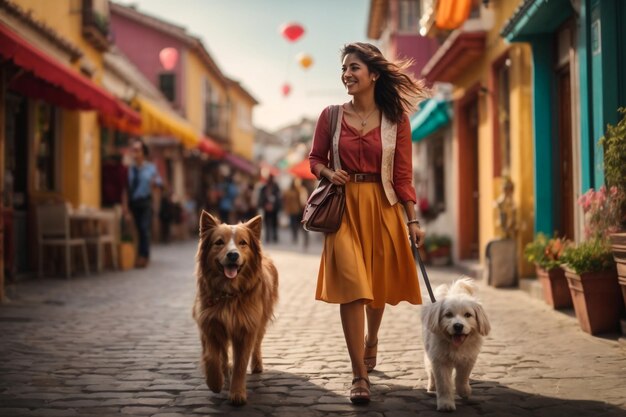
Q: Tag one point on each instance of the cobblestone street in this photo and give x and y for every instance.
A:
(125, 343)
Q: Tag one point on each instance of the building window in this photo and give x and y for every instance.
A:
(167, 85)
(409, 15)
(244, 117)
(211, 105)
(45, 147)
(503, 114)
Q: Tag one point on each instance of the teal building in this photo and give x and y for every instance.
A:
(579, 81)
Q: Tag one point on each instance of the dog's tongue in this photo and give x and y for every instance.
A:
(458, 339)
(230, 271)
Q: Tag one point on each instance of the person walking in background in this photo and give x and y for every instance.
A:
(293, 206)
(228, 194)
(166, 213)
(142, 177)
(270, 203)
(376, 169)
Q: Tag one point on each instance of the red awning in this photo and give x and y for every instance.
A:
(45, 78)
(241, 164)
(302, 170)
(210, 147)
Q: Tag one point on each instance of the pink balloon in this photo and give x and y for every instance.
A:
(168, 58)
(292, 31)
(286, 89)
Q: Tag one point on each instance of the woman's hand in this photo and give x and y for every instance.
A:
(417, 234)
(339, 177)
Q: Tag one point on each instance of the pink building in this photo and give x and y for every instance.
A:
(141, 38)
(395, 24)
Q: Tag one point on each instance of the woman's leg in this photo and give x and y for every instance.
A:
(352, 320)
(374, 318)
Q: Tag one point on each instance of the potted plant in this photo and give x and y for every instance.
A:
(438, 249)
(592, 279)
(614, 142)
(546, 255)
(127, 252)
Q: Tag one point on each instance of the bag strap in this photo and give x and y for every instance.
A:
(418, 259)
(334, 120)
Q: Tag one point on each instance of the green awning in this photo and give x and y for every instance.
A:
(536, 17)
(432, 116)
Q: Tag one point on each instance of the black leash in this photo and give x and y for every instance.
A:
(418, 258)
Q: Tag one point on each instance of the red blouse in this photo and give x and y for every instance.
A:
(363, 153)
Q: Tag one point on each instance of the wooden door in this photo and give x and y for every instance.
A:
(565, 176)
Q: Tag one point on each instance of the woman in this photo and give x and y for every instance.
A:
(368, 261)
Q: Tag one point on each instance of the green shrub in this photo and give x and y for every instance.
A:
(589, 256)
(435, 241)
(546, 252)
(614, 143)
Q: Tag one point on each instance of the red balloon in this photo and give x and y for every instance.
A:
(168, 58)
(286, 89)
(292, 31)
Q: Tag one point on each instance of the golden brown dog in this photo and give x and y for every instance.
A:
(237, 288)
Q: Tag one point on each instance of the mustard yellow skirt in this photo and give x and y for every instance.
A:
(369, 257)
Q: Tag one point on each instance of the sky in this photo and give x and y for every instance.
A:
(243, 37)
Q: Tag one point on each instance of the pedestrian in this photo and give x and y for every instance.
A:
(293, 204)
(228, 192)
(142, 178)
(368, 262)
(166, 214)
(270, 202)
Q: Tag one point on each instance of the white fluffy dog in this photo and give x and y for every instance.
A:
(453, 328)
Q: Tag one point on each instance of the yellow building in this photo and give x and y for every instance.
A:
(51, 107)
(241, 127)
(86, 29)
(492, 126)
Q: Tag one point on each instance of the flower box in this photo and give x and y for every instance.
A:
(597, 301)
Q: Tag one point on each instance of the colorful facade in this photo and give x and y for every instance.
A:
(578, 58)
(492, 139)
(52, 107)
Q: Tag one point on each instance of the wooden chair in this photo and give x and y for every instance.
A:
(53, 229)
(105, 235)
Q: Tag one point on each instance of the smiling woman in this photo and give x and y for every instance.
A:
(374, 136)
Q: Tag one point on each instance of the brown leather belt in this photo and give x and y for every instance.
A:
(357, 177)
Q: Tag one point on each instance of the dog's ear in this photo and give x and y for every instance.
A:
(431, 316)
(484, 327)
(207, 222)
(254, 225)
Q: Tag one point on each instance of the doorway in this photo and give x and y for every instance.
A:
(469, 220)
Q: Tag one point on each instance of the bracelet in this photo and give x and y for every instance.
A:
(413, 221)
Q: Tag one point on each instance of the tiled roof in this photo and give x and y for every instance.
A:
(49, 33)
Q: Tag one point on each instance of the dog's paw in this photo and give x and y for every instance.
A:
(215, 382)
(464, 391)
(238, 398)
(257, 368)
(445, 405)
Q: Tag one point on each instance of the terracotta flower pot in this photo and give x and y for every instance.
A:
(597, 301)
(126, 255)
(618, 244)
(555, 289)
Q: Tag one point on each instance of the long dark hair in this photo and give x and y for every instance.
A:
(395, 91)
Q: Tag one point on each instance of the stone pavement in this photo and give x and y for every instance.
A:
(125, 344)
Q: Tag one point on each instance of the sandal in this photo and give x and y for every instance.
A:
(358, 393)
(369, 358)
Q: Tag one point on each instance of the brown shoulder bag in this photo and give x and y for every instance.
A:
(324, 209)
